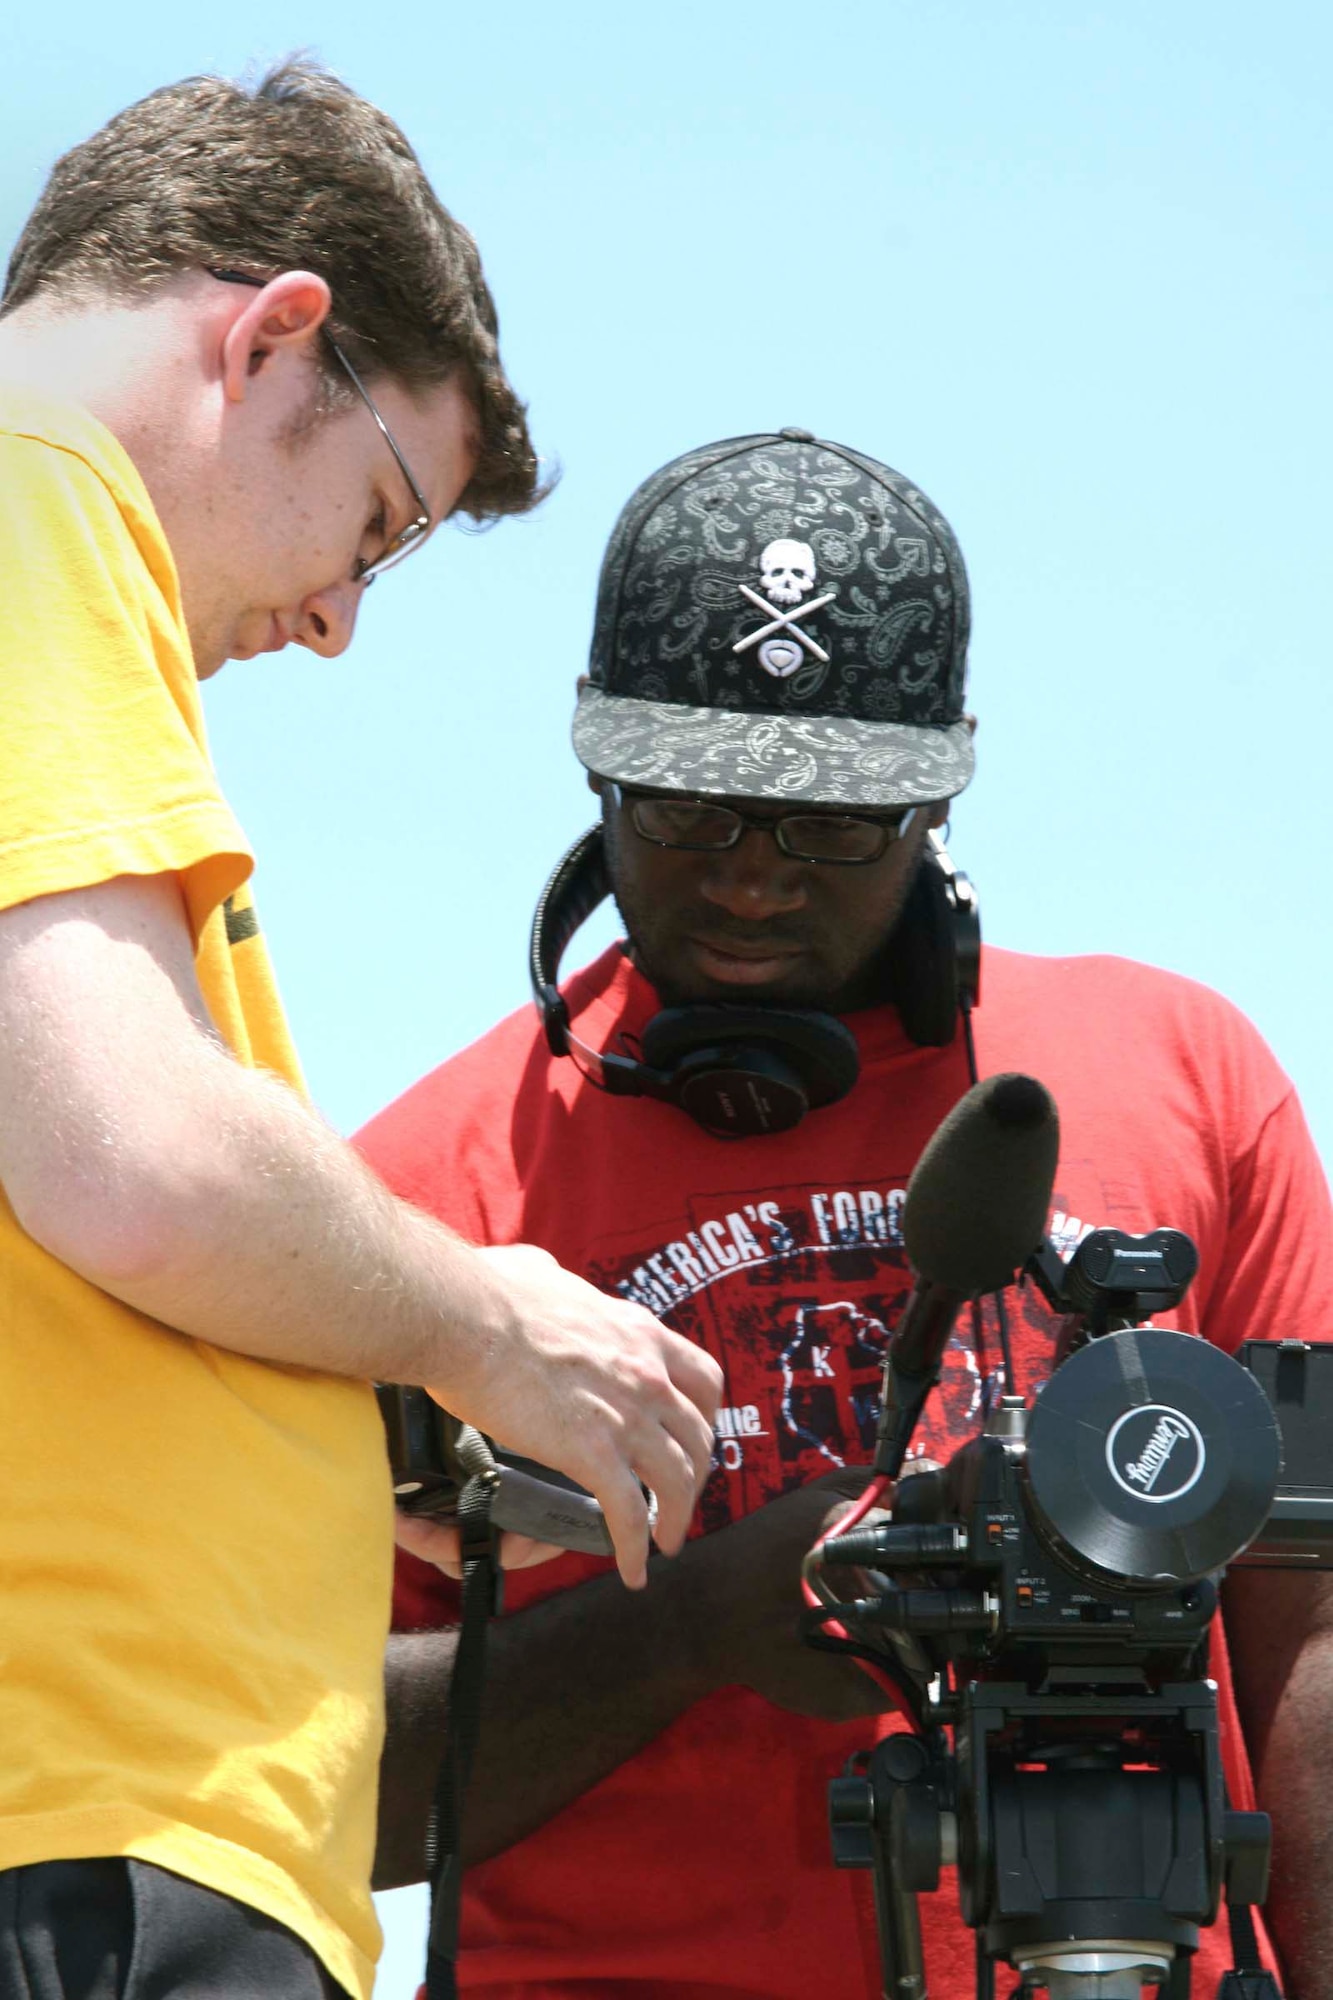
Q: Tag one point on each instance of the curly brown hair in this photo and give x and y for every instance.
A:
(294, 173)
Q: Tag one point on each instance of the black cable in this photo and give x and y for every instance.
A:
(824, 1642)
(983, 1358)
(1006, 1351)
(1002, 1317)
(969, 1040)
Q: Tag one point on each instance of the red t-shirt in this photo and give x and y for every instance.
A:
(701, 1867)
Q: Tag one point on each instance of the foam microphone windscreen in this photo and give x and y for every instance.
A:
(980, 1194)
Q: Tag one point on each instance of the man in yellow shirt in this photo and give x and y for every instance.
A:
(247, 361)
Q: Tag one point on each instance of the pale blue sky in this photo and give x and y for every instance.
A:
(1066, 265)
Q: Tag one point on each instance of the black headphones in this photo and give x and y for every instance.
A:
(740, 1071)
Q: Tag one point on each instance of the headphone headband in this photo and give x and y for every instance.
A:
(578, 884)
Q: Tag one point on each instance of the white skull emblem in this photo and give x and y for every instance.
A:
(788, 571)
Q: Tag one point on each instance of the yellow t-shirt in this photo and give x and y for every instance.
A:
(195, 1547)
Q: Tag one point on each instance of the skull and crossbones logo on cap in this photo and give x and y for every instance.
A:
(787, 572)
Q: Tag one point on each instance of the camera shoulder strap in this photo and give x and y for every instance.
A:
(482, 1582)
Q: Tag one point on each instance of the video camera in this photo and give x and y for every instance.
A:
(1044, 1599)
(432, 1457)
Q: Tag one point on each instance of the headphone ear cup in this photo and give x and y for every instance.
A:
(741, 1071)
(933, 954)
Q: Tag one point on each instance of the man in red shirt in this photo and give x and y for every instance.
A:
(774, 725)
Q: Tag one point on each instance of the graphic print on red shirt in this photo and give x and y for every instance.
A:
(701, 1867)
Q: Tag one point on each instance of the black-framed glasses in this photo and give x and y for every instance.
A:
(699, 826)
(407, 538)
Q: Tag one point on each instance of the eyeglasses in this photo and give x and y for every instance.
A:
(840, 838)
(407, 538)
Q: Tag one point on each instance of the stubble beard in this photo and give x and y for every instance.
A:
(654, 953)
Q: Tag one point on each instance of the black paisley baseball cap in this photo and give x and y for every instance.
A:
(780, 617)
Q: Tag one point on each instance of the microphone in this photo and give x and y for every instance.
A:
(976, 1209)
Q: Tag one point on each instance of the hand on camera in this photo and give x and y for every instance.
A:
(436, 1542)
(755, 1585)
(597, 1389)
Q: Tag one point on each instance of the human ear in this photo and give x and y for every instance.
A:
(283, 315)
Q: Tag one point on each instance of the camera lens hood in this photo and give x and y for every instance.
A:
(1152, 1459)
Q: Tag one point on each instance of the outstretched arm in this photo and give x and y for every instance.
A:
(579, 1683)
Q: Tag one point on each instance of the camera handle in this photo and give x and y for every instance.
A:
(887, 1817)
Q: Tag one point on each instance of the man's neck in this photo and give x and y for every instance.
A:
(141, 369)
(127, 364)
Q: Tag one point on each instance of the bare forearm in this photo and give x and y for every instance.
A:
(1295, 1785)
(574, 1687)
(1280, 1632)
(277, 1241)
(141, 1155)
(579, 1683)
(145, 1157)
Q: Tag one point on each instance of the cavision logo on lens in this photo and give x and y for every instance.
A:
(1155, 1453)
